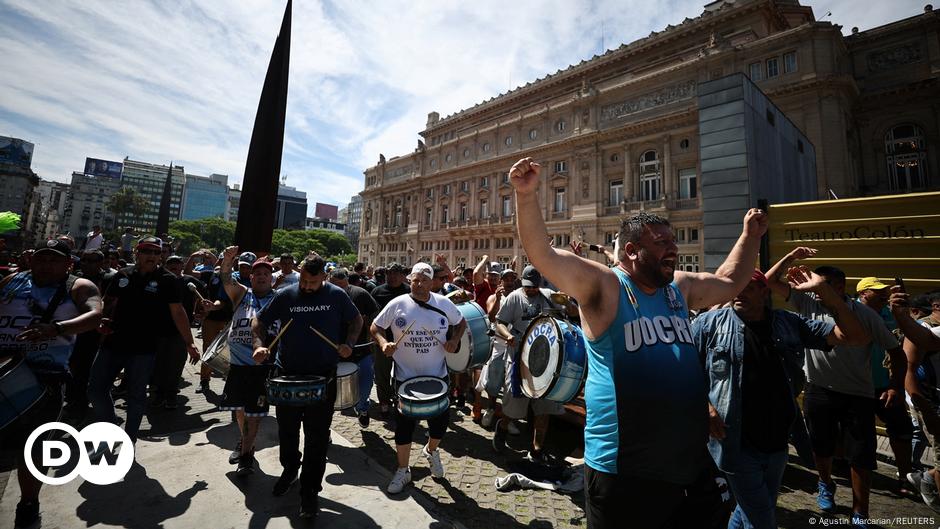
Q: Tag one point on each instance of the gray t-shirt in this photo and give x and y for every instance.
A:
(518, 310)
(846, 368)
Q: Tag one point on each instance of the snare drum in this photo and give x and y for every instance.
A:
(19, 390)
(296, 390)
(347, 385)
(423, 397)
(474, 347)
(217, 355)
(553, 360)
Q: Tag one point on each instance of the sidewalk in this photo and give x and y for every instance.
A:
(182, 479)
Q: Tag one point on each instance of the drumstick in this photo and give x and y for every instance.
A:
(408, 328)
(325, 339)
(425, 329)
(195, 290)
(280, 333)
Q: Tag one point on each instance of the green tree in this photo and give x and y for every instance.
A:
(215, 232)
(126, 202)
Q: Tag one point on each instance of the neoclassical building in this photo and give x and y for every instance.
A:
(619, 133)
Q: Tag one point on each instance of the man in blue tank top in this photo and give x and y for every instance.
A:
(646, 460)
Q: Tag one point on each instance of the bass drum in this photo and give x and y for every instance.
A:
(553, 360)
(474, 347)
(218, 356)
(19, 390)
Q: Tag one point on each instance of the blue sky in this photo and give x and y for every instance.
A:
(179, 80)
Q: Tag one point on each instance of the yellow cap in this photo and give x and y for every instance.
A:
(870, 283)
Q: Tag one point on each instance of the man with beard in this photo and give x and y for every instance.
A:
(54, 307)
(313, 302)
(643, 368)
(393, 287)
(747, 349)
(244, 391)
(142, 304)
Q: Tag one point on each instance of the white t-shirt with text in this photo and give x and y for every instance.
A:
(420, 352)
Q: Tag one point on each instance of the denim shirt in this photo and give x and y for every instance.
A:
(719, 337)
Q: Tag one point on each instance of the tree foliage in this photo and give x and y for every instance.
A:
(127, 202)
(215, 234)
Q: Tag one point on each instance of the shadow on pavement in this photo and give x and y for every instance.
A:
(467, 508)
(155, 505)
(226, 436)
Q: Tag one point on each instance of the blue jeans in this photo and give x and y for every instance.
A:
(366, 378)
(137, 371)
(755, 484)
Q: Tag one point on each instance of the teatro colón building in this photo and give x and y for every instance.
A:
(618, 133)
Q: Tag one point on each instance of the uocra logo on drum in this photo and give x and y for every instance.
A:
(102, 453)
(659, 329)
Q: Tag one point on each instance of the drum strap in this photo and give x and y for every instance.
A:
(425, 305)
(64, 288)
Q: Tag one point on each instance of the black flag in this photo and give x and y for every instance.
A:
(163, 219)
(258, 203)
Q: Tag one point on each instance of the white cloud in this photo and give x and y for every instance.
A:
(181, 81)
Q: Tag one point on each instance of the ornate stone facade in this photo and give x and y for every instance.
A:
(618, 133)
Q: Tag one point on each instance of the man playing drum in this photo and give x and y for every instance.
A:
(515, 313)
(42, 310)
(643, 369)
(419, 322)
(312, 302)
(244, 387)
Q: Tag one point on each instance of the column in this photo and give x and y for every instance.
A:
(629, 179)
(668, 177)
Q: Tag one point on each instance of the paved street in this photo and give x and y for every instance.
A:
(183, 480)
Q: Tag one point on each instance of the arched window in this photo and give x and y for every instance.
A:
(651, 178)
(906, 154)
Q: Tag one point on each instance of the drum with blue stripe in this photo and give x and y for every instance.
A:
(474, 347)
(553, 362)
(296, 390)
(423, 397)
(19, 390)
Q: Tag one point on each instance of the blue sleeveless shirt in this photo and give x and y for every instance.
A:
(645, 393)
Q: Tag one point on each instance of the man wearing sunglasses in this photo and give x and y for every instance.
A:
(143, 304)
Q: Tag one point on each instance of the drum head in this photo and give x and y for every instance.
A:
(422, 388)
(541, 354)
(346, 368)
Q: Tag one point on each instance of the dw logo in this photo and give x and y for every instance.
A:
(105, 453)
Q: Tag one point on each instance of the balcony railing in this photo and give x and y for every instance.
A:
(558, 215)
(645, 204)
(686, 203)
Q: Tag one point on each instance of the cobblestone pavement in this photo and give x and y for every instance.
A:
(467, 495)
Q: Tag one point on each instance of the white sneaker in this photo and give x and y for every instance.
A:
(513, 428)
(434, 459)
(488, 417)
(401, 478)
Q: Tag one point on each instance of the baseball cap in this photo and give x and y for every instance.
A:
(55, 245)
(174, 259)
(870, 283)
(506, 272)
(260, 262)
(340, 273)
(247, 258)
(531, 277)
(150, 240)
(495, 267)
(395, 267)
(423, 269)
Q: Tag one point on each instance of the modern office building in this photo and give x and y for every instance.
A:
(353, 218)
(234, 196)
(18, 181)
(291, 213)
(205, 197)
(47, 210)
(619, 132)
(148, 180)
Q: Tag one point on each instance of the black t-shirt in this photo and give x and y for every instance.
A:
(366, 306)
(142, 313)
(767, 404)
(384, 293)
(301, 351)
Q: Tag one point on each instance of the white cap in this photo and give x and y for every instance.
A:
(495, 267)
(422, 268)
